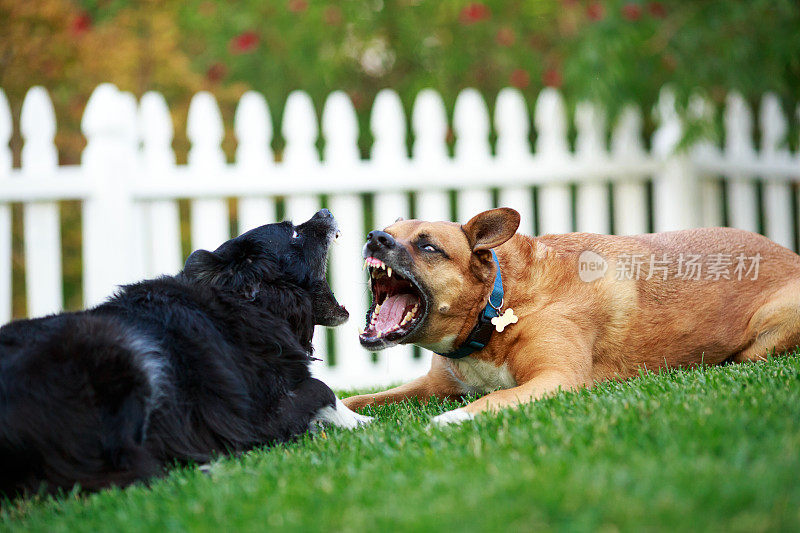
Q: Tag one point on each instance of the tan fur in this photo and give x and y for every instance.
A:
(572, 333)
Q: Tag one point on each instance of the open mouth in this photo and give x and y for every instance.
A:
(398, 306)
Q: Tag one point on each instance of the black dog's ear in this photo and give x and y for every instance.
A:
(203, 265)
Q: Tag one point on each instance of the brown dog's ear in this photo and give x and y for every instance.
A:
(491, 228)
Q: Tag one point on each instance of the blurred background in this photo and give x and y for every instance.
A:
(607, 51)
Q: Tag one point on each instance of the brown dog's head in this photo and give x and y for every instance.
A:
(429, 278)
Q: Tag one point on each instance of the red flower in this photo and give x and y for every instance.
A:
(216, 72)
(657, 9)
(519, 78)
(474, 12)
(632, 12)
(595, 11)
(244, 42)
(297, 6)
(552, 77)
(505, 36)
(332, 15)
(80, 24)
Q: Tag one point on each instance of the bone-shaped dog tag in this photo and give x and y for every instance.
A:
(500, 322)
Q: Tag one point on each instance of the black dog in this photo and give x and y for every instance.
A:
(175, 369)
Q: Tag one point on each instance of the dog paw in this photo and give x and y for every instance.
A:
(340, 416)
(356, 403)
(456, 416)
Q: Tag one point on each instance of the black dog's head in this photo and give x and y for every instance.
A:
(271, 253)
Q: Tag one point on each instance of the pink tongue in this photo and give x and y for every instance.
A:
(393, 310)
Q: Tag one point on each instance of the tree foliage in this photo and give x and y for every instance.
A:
(610, 51)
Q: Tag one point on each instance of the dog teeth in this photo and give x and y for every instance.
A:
(389, 271)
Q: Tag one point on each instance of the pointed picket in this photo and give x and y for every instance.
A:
(109, 125)
(162, 219)
(340, 129)
(429, 124)
(796, 159)
(472, 149)
(139, 266)
(742, 196)
(429, 121)
(555, 201)
(777, 194)
(209, 224)
(300, 130)
(592, 202)
(630, 192)
(711, 186)
(388, 125)
(254, 158)
(6, 128)
(513, 150)
(42, 226)
(676, 192)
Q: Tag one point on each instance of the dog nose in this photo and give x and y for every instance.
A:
(323, 213)
(379, 239)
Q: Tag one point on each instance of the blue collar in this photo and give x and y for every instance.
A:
(480, 335)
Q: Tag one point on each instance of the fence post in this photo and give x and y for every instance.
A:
(340, 129)
(711, 186)
(630, 193)
(514, 150)
(300, 129)
(41, 219)
(777, 192)
(429, 121)
(742, 198)
(210, 226)
(471, 125)
(675, 186)
(555, 201)
(5, 211)
(592, 209)
(108, 211)
(254, 158)
(388, 125)
(162, 220)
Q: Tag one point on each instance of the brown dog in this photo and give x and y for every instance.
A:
(589, 307)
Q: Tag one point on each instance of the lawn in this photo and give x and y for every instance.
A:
(710, 449)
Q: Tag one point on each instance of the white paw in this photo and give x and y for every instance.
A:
(340, 416)
(456, 416)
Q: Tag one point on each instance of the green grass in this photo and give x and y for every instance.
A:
(710, 449)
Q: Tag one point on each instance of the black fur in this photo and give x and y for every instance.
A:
(175, 369)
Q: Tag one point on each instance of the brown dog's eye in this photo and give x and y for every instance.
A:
(430, 248)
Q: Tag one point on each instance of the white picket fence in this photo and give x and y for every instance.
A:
(128, 183)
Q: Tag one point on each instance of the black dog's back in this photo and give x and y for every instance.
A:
(213, 360)
(93, 398)
(75, 395)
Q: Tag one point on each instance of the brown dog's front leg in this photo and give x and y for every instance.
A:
(436, 383)
(544, 383)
